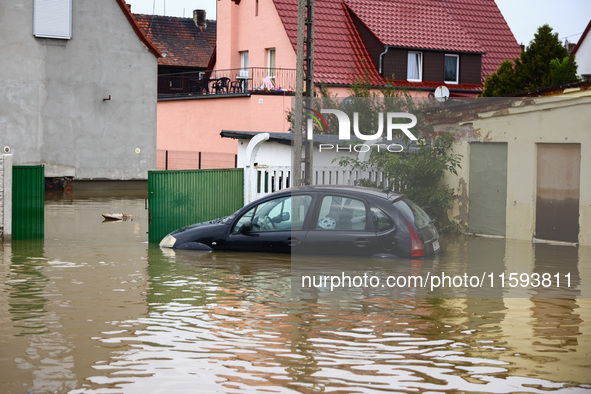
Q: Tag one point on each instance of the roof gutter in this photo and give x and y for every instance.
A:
(418, 88)
(386, 49)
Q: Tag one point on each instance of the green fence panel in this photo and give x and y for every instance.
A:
(28, 199)
(181, 198)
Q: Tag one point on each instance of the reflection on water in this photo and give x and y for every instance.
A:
(26, 285)
(94, 308)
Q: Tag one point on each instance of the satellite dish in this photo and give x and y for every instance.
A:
(442, 93)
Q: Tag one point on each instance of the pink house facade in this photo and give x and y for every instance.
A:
(249, 32)
(255, 52)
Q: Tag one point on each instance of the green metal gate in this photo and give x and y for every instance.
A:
(28, 198)
(180, 198)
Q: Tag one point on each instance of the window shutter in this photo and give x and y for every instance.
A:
(52, 18)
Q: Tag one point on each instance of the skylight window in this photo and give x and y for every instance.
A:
(414, 71)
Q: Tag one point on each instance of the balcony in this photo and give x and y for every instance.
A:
(229, 82)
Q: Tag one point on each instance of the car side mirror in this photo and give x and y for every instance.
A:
(245, 228)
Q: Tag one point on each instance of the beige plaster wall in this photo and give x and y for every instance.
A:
(549, 120)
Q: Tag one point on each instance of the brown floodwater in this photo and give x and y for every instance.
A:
(94, 308)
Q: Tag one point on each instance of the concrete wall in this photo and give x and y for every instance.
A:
(52, 91)
(547, 120)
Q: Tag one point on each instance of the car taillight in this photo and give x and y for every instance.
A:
(417, 248)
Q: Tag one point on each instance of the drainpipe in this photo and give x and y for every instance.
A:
(386, 48)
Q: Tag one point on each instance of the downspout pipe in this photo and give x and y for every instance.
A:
(386, 48)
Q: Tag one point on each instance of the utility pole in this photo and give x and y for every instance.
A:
(304, 56)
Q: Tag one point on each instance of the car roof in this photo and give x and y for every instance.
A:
(353, 190)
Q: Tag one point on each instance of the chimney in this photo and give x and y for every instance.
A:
(571, 47)
(199, 19)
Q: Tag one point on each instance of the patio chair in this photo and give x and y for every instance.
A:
(236, 86)
(203, 86)
(221, 85)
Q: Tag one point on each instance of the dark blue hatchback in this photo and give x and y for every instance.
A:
(325, 220)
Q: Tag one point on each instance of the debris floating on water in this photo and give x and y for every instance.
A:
(117, 216)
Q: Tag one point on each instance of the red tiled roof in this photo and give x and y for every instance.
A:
(341, 57)
(483, 20)
(180, 39)
(421, 24)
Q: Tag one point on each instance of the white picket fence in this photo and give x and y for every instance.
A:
(263, 180)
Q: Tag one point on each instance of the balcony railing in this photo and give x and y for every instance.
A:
(229, 81)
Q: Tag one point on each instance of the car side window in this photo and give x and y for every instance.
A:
(299, 209)
(342, 213)
(381, 220)
(247, 217)
(284, 213)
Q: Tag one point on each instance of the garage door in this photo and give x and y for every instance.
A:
(488, 188)
(557, 199)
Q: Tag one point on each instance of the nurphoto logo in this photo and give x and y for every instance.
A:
(392, 122)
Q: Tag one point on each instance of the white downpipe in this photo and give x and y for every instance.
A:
(386, 49)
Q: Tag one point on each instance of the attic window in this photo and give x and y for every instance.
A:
(52, 19)
(414, 70)
(451, 68)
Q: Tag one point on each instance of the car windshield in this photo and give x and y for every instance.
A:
(420, 217)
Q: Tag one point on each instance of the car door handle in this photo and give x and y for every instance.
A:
(361, 242)
(291, 241)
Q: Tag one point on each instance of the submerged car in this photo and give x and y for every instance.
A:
(325, 220)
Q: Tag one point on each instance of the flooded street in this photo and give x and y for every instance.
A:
(94, 308)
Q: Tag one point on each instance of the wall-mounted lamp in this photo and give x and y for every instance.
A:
(107, 99)
(7, 149)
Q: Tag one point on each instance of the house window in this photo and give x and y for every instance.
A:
(414, 71)
(52, 19)
(271, 62)
(451, 69)
(244, 64)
